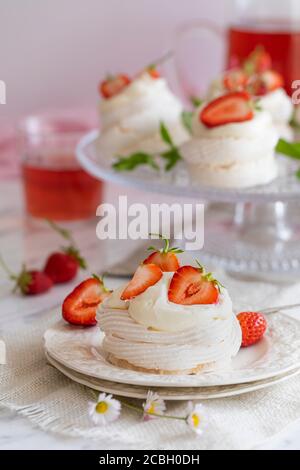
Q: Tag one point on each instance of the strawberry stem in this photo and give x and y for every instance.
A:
(166, 248)
(66, 234)
(101, 280)
(209, 276)
(71, 250)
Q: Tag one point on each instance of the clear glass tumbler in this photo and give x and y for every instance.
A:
(55, 186)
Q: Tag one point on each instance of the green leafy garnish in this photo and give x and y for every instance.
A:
(136, 159)
(196, 101)
(171, 156)
(164, 133)
(166, 248)
(187, 118)
(289, 149)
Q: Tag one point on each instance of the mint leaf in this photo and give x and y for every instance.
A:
(290, 149)
(165, 135)
(187, 117)
(130, 162)
(172, 157)
(196, 101)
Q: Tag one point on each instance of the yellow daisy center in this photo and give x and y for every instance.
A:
(196, 420)
(101, 407)
(151, 409)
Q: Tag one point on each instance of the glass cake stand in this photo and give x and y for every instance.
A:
(251, 231)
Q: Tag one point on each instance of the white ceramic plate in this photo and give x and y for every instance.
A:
(80, 349)
(192, 393)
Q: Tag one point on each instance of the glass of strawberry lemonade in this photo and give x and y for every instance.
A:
(55, 186)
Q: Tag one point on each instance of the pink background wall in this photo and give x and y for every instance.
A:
(53, 52)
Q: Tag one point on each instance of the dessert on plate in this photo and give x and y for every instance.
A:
(169, 319)
(257, 77)
(131, 111)
(233, 143)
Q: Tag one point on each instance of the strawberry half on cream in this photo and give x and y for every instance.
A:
(131, 111)
(257, 77)
(233, 143)
(166, 322)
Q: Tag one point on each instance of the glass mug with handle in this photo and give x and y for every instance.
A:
(271, 24)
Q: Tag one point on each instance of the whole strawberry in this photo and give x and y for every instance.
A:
(63, 266)
(29, 282)
(253, 326)
(37, 283)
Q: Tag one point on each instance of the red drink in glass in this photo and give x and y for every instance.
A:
(281, 41)
(55, 186)
(65, 194)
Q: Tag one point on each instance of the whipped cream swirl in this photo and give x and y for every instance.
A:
(130, 120)
(153, 333)
(277, 103)
(233, 155)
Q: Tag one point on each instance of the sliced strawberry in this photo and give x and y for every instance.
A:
(166, 258)
(253, 326)
(230, 108)
(189, 286)
(80, 306)
(235, 80)
(168, 262)
(145, 276)
(113, 85)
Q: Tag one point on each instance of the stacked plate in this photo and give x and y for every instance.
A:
(77, 353)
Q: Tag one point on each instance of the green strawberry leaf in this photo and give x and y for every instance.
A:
(75, 253)
(165, 135)
(289, 149)
(134, 160)
(172, 157)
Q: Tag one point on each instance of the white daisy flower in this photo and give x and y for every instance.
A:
(153, 405)
(196, 418)
(105, 410)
